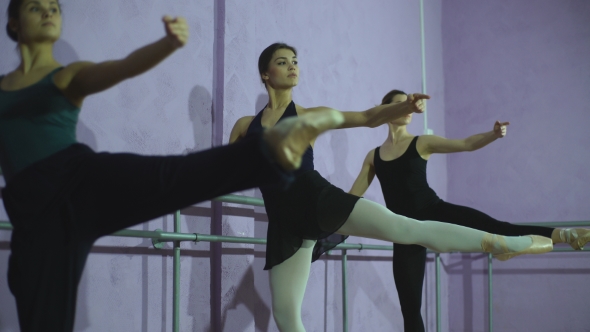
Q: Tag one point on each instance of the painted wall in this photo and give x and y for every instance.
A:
(351, 53)
(527, 63)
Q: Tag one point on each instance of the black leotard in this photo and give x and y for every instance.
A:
(406, 192)
(403, 181)
(311, 208)
(291, 110)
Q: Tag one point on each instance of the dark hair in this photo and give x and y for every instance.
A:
(13, 12)
(266, 56)
(389, 96)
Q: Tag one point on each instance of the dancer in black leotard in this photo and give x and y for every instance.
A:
(312, 209)
(61, 196)
(400, 166)
(310, 188)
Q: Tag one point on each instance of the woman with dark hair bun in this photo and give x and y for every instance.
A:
(313, 216)
(400, 165)
(61, 196)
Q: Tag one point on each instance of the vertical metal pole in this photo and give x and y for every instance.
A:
(423, 50)
(490, 296)
(176, 276)
(344, 292)
(438, 309)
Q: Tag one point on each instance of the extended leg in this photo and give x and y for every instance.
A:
(88, 195)
(369, 219)
(472, 218)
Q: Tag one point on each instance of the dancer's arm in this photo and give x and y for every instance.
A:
(376, 116)
(365, 177)
(429, 144)
(88, 78)
(240, 129)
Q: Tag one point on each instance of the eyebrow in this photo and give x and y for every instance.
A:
(38, 3)
(285, 58)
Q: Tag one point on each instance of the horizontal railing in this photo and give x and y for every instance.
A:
(159, 237)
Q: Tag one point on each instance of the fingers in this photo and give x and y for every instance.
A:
(500, 128)
(413, 97)
(416, 100)
(176, 30)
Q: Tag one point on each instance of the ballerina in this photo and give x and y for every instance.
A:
(400, 165)
(313, 216)
(61, 196)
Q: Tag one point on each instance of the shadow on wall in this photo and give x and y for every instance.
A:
(247, 296)
(261, 103)
(246, 293)
(65, 54)
(200, 108)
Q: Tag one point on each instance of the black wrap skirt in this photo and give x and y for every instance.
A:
(313, 209)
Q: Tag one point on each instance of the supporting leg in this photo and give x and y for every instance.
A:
(288, 281)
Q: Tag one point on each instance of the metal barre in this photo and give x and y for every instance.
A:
(176, 237)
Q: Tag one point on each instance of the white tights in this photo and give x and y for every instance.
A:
(369, 219)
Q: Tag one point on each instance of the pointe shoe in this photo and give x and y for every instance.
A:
(575, 237)
(540, 245)
(289, 139)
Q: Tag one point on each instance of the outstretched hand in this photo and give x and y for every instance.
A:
(176, 30)
(416, 102)
(500, 129)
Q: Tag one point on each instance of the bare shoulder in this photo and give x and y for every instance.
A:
(424, 144)
(300, 109)
(423, 140)
(247, 118)
(240, 128)
(244, 122)
(9, 80)
(370, 157)
(64, 77)
(303, 110)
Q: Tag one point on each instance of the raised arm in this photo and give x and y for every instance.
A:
(435, 144)
(240, 129)
(379, 115)
(365, 177)
(89, 78)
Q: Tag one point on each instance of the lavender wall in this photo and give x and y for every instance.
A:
(350, 54)
(524, 62)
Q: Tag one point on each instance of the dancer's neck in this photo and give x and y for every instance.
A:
(396, 133)
(36, 56)
(279, 98)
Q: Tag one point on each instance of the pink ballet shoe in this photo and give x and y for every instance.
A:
(289, 139)
(575, 237)
(540, 245)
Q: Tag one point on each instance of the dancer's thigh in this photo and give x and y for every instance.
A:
(372, 220)
(288, 280)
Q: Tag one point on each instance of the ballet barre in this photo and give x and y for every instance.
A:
(160, 237)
